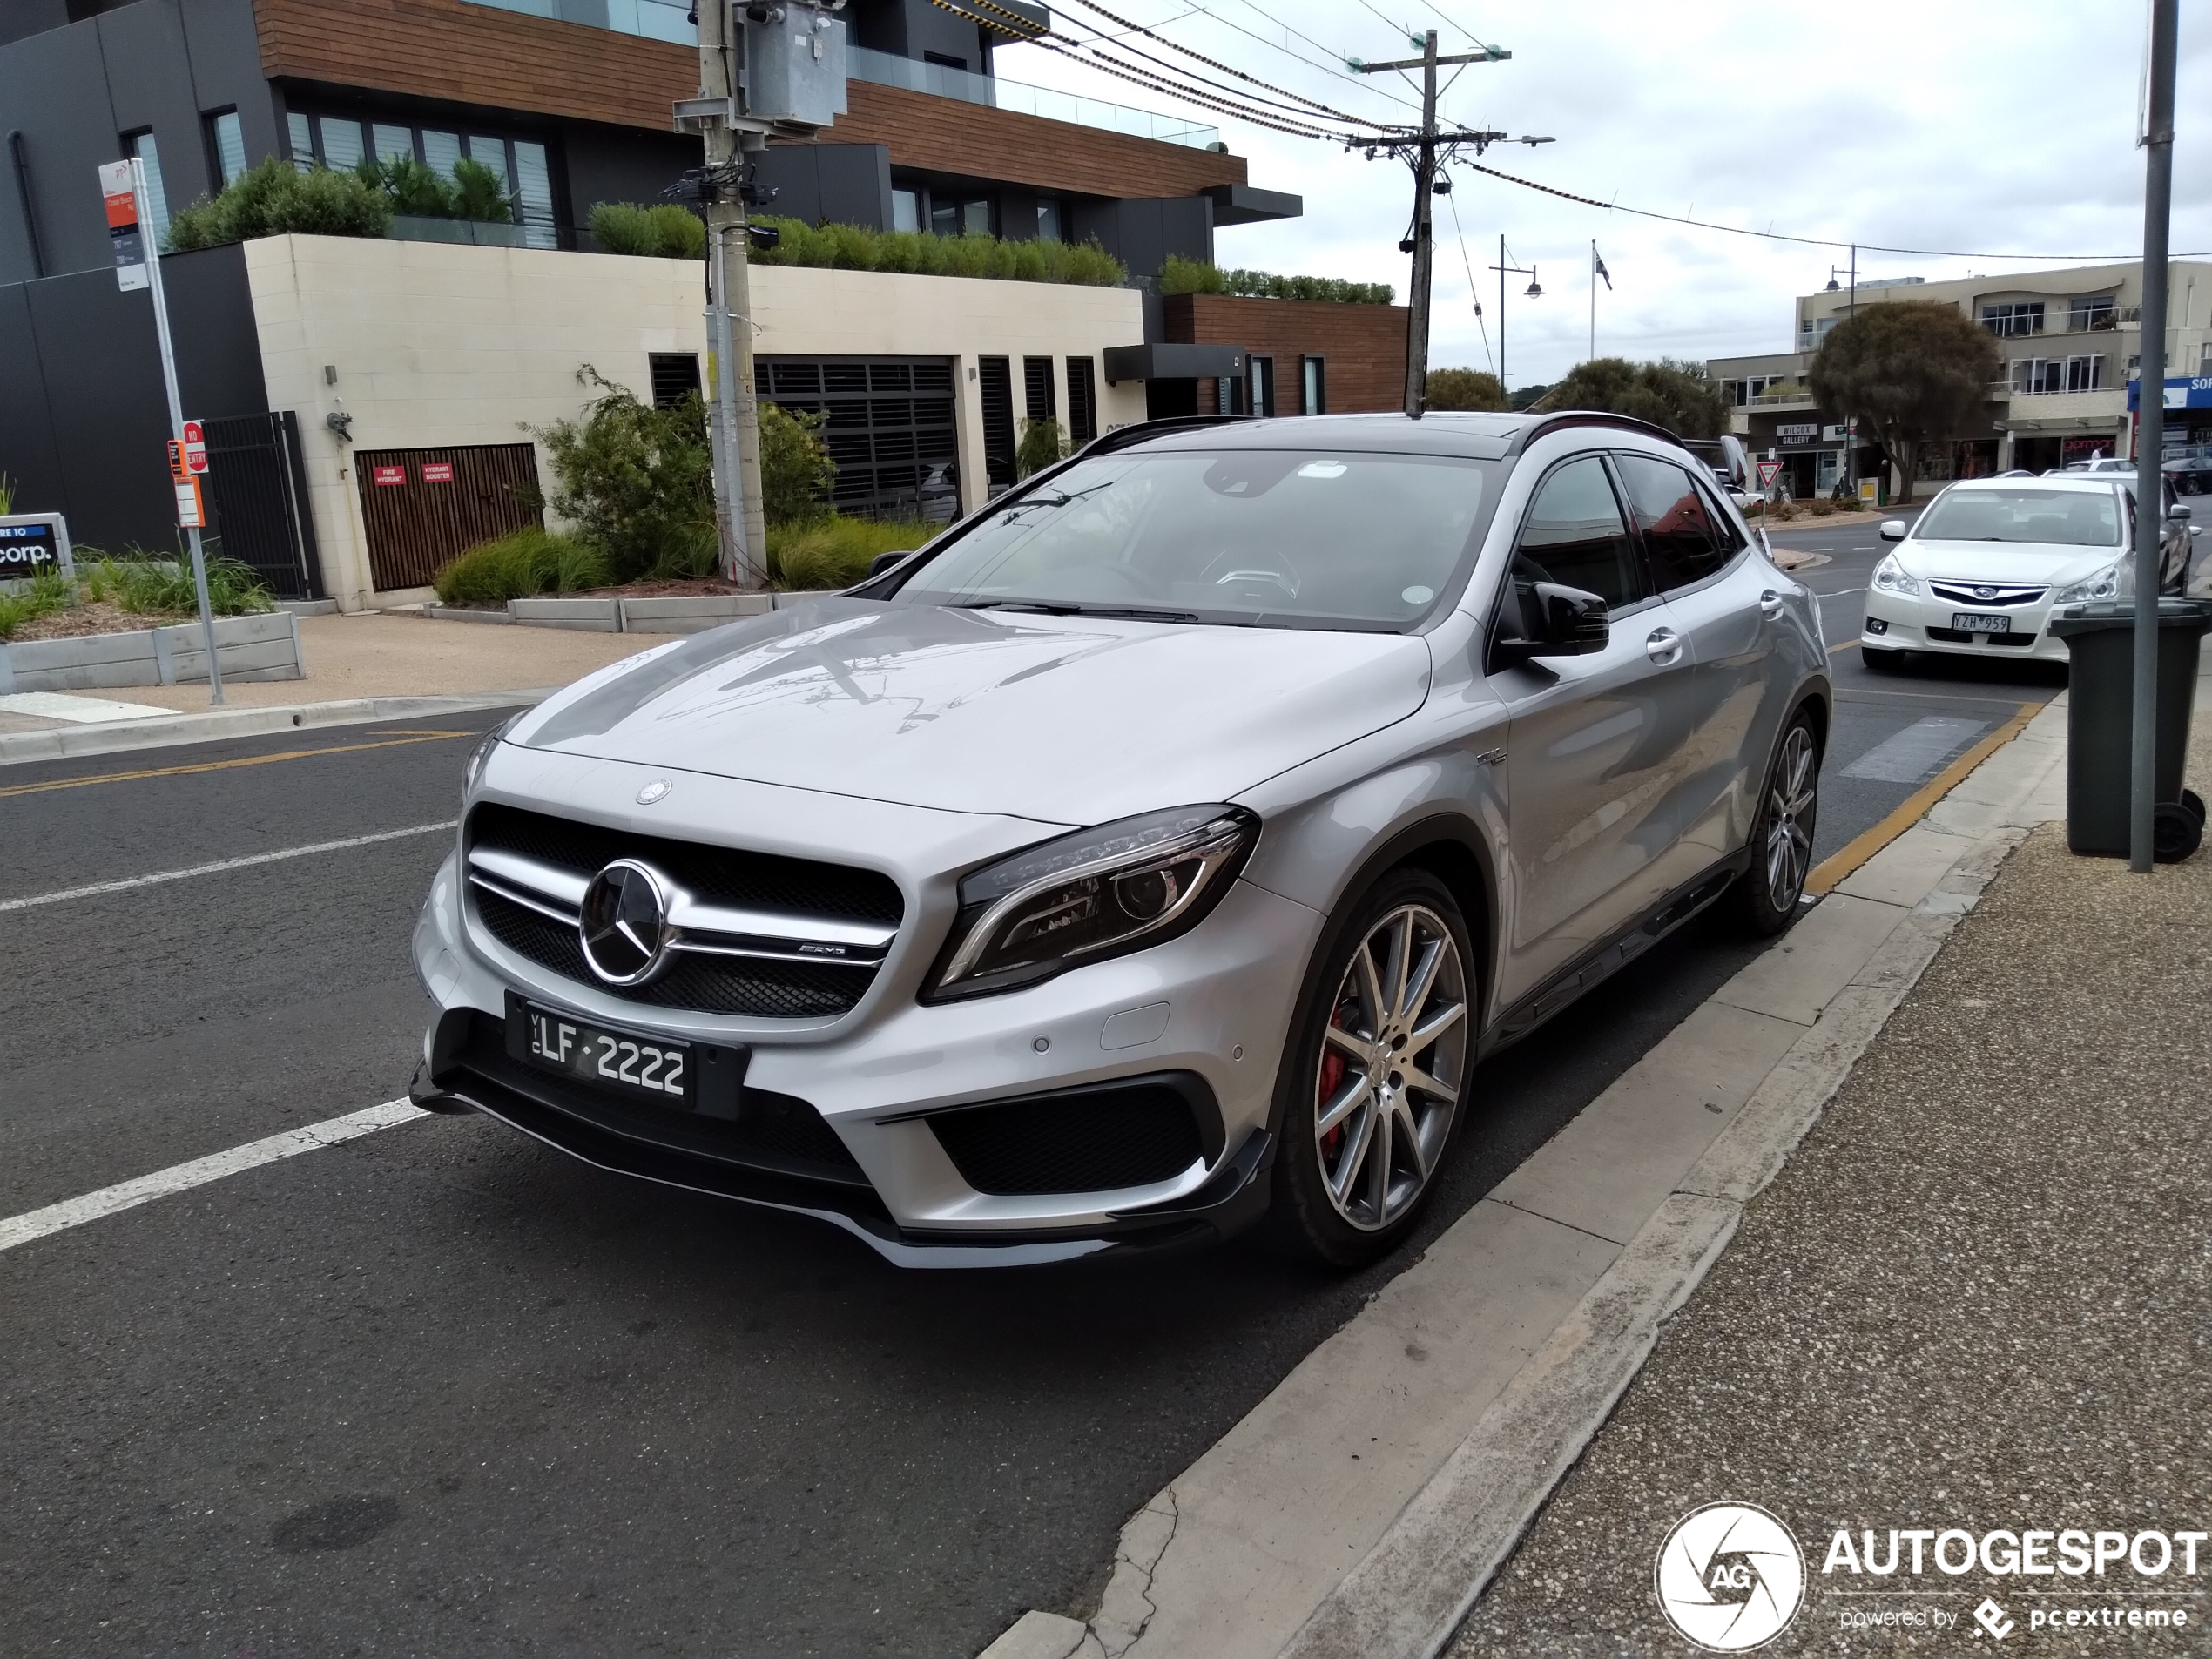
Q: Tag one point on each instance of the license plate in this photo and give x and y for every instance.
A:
(641, 1067)
(1971, 622)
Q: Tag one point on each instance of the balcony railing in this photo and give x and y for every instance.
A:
(2104, 322)
(1781, 400)
(886, 69)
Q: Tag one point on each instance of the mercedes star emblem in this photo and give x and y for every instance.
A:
(624, 923)
(657, 789)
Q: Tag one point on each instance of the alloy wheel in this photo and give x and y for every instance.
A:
(1790, 798)
(1392, 1059)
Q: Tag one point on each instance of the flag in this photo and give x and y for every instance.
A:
(1597, 264)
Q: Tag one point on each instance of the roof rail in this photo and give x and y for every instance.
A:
(1589, 417)
(1138, 431)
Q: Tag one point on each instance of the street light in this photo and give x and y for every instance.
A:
(1533, 291)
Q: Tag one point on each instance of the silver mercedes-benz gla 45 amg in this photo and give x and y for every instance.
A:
(1156, 851)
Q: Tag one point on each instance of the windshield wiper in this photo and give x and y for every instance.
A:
(1061, 500)
(1051, 608)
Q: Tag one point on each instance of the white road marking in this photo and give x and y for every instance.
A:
(124, 1194)
(1838, 593)
(79, 711)
(1908, 756)
(125, 883)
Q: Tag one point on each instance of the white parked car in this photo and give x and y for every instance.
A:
(1986, 564)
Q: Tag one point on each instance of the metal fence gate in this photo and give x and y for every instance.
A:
(260, 485)
(422, 508)
(889, 426)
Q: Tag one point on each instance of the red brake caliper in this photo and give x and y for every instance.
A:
(1331, 1079)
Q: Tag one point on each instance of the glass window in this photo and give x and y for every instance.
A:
(1574, 536)
(392, 143)
(1312, 387)
(944, 218)
(493, 153)
(141, 145)
(1678, 523)
(1263, 373)
(534, 195)
(341, 143)
(2020, 317)
(1049, 222)
(440, 151)
(2066, 517)
(1280, 536)
(975, 218)
(301, 140)
(227, 138)
(906, 210)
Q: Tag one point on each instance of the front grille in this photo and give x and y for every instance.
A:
(753, 986)
(1963, 593)
(1094, 1140)
(1959, 637)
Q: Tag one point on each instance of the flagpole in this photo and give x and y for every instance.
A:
(1593, 300)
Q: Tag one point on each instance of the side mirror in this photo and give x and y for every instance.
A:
(1892, 530)
(1567, 622)
(883, 562)
(2178, 512)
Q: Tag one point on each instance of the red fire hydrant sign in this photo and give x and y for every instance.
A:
(387, 474)
(437, 472)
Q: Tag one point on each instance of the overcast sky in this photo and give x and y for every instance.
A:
(1985, 128)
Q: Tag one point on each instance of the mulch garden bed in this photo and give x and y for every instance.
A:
(92, 616)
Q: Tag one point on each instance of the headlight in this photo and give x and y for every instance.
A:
(472, 773)
(2107, 583)
(1098, 893)
(1889, 577)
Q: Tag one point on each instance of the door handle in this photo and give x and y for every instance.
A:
(1770, 604)
(1664, 646)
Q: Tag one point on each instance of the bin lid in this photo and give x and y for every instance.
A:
(2105, 615)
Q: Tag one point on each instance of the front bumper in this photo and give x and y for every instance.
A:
(1228, 988)
(1924, 624)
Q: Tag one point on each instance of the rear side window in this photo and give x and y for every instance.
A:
(1574, 536)
(1685, 545)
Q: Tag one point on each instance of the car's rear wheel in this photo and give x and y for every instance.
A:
(1881, 661)
(1374, 1073)
(1766, 894)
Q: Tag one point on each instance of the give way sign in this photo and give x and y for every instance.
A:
(1768, 471)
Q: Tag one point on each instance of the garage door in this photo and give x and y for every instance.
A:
(890, 428)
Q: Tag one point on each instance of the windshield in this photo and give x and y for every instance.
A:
(2063, 517)
(1283, 537)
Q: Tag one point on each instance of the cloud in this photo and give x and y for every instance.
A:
(1982, 129)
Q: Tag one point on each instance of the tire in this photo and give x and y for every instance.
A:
(2175, 831)
(1879, 661)
(1766, 896)
(1348, 1193)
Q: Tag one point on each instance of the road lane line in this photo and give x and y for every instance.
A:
(182, 1177)
(1839, 864)
(1910, 754)
(125, 883)
(398, 740)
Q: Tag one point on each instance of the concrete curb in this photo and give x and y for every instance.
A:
(17, 748)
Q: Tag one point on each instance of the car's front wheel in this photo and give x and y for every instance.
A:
(1374, 1073)
(1766, 894)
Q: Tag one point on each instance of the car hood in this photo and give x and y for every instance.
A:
(1065, 720)
(2008, 561)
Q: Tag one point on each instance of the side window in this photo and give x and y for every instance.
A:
(1574, 536)
(1678, 529)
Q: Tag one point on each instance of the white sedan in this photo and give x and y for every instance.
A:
(1989, 561)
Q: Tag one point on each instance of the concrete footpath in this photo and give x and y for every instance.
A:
(1362, 1507)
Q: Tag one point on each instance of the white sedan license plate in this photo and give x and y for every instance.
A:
(1973, 622)
(643, 1067)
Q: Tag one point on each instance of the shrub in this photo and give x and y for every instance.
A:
(851, 247)
(276, 197)
(835, 551)
(1042, 443)
(518, 564)
(1180, 275)
(795, 469)
(47, 590)
(636, 482)
(474, 192)
(161, 584)
(1464, 388)
(662, 230)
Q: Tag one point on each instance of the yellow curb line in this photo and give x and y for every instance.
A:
(1838, 865)
(225, 765)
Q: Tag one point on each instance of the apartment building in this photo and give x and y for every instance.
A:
(2071, 341)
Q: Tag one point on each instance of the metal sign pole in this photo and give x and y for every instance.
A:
(2150, 504)
(177, 426)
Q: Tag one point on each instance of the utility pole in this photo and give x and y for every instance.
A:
(1424, 150)
(2150, 402)
(733, 417)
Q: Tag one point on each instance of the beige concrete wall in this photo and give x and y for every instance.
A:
(436, 344)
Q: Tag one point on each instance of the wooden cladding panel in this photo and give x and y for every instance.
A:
(1364, 344)
(415, 528)
(473, 54)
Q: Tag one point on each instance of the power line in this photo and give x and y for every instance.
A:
(1336, 57)
(1225, 67)
(1809, 241)
(1473, 293)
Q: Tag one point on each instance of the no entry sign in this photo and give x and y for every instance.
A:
(195, 448)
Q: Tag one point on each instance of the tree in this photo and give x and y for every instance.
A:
(1911, 370)
(1044, 442)
(1527, 396)
(1676, 395)
(1464, 388)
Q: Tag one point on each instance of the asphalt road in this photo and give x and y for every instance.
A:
(442, 1389)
